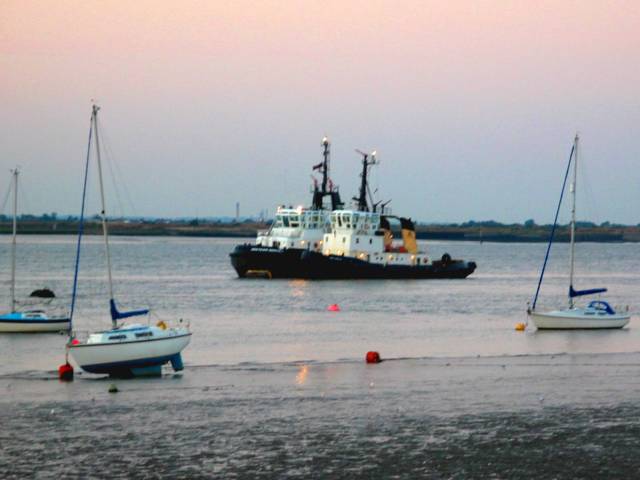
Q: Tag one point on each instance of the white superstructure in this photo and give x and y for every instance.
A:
(368, 236)
(299, 227)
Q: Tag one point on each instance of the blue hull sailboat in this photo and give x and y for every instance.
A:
(33, 320)
(122, 350)
(598, 314)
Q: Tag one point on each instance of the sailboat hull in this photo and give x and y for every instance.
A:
(29, 322)
(123, 358)
(577, 319)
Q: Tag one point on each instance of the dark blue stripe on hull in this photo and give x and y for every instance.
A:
(124, 368)
(34, 321)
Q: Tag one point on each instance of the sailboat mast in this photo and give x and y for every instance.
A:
(573, 218)
(105, 230)
(13, 239)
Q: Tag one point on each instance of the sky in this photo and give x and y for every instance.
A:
(472, 106)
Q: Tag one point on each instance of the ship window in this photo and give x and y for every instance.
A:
(117, 337)
(370, 241)
(144, 334)
(357, 240)
(285, 220)
(344, 239)
(339, 221)
(294, 224)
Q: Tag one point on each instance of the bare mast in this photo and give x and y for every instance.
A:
(573, 218)
(105, 230)
(13, 239)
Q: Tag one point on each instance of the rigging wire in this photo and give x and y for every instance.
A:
(553, 230)
(23, 197)
(6, 197)
(591, 206)
(117, 178)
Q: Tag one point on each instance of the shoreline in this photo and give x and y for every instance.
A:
(475, 233)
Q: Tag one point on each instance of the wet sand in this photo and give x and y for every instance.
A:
(539, 416)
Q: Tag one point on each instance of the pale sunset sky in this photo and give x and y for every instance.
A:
(471, 105)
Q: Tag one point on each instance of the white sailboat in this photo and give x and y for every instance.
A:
(123, 350)
(598, 314)
(32, 320)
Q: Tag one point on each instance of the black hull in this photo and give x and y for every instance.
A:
(249, 260)
(269, 262)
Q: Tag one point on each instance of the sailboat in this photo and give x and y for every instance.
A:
(598, 314)
(123, 350)
(33, 320)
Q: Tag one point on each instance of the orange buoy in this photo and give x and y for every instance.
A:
(65, 372)
(520, 327)
(334, 307)
(373, 357)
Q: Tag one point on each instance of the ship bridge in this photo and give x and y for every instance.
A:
(298, 227)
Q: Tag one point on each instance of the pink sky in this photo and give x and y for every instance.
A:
(472, 105)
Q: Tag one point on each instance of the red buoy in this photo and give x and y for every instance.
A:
(75, 341)
(334, 307)
(373, 357)
(65, 372)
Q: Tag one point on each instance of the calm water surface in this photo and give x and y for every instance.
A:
(262, 321)
(275, 386)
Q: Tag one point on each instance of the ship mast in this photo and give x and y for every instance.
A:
(573, 218)
(363, 206)
(325, 164)
(325, 189)
(318, 195)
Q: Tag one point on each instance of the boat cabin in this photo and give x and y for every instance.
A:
(295, 228)
(369, 236)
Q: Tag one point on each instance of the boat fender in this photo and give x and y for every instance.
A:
(446, 259)
(161, 325)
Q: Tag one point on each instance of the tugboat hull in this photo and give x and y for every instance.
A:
(319, 266)
(251, 260)
(266, 262)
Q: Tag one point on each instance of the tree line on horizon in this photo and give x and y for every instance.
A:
(194, 221)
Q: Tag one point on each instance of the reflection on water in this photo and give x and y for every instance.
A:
(301, 376)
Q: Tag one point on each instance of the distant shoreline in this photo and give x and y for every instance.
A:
(500, 233)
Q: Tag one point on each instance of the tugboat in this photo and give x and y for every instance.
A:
(276, 253)
(360, 245)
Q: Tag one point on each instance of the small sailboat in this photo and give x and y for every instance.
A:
(31, 320)
(598, 314)
(123, 350)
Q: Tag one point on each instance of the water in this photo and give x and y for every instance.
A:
(261, 321)
(275, 386)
